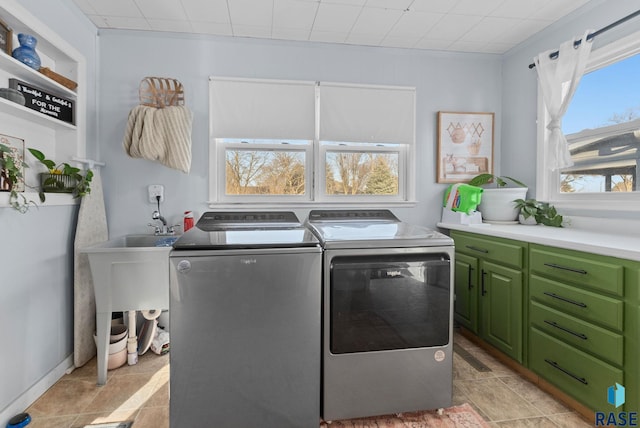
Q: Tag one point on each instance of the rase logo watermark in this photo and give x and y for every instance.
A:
(615, 397)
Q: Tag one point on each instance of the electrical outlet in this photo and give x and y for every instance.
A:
(154, 191)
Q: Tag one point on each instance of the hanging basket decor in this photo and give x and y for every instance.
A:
(161, 92)
(57, 183)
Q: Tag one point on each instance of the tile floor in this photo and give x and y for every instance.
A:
(503, 397)
(140, 393)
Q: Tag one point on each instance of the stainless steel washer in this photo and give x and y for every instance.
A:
(388, 314)
(245, 322)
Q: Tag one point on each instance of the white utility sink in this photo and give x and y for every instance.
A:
(134, 241)
(129, 272)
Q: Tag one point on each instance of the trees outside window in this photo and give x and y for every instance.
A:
(361, 173)
(254, 172)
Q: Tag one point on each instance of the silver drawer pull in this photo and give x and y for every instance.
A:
(570, 269)
(480, 250)
(564, 299)
(559, 327)
(567, 372)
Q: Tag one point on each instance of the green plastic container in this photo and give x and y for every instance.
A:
(462, 197)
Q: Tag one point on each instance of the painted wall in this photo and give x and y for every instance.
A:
(444, 81)
(36, 262)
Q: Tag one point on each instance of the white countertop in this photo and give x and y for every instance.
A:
(615, 244)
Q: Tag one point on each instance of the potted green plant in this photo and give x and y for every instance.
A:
(62, 178)
(11, 173)
(536, 212)
(528, 210)
(482, 179)
(497, 204)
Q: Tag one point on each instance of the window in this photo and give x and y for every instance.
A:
(602, 127)
(360, 169)
(310, 142)
(259, 167)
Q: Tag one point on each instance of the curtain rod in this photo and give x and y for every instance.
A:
(554, 55)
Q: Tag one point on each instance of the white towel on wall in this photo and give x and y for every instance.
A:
(160, 134)
(90, 229)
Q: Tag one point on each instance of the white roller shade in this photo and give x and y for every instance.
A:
(269, 109)
(374, 114)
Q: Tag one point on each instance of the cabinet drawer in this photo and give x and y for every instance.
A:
(589, 306)
(577, 373)
(579, 268)
(581, 334)
(500, 250)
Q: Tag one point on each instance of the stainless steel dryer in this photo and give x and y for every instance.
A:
(388, 314)
(245, 323)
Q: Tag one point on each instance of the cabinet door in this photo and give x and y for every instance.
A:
(501, 308)
(466, 292)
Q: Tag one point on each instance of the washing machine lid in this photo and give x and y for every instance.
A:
(370, 229)
(245, 230)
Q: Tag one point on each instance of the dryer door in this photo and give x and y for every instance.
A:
(384, 302)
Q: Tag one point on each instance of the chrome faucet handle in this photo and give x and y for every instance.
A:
(171, 229)
(156, 229)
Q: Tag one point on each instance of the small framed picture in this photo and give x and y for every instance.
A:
(15, 151)
(465, 146)
(6, 38)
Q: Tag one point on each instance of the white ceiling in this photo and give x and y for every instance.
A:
(489, 26)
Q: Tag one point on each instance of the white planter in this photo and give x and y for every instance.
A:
(497, 203)
(531, 220)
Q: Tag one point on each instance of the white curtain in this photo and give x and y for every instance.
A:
(559, 79)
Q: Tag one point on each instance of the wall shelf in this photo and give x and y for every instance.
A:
(52, 199)
(29, 75)
(58, 140)
(32, 116)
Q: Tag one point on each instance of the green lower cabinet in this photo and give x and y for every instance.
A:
(579, 374)
(466, 292)
(501, 302)
(584, 324)
(600, 342)
(572, 317)
(490, 284)
(575, 300)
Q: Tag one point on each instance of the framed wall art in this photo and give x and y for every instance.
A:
(465, 146)
(16, 152)
(6, 38)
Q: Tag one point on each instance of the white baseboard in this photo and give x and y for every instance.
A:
(20, 404)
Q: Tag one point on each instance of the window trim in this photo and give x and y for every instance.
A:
(548, 182)
(222, 196)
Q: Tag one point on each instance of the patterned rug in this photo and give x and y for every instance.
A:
(111, 425)
(462, 416)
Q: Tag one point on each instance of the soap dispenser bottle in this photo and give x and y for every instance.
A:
(188, 220)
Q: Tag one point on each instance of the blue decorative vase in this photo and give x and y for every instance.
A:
(26, 52)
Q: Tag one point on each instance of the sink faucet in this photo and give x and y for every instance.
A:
(156, 216)
(164, 229)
